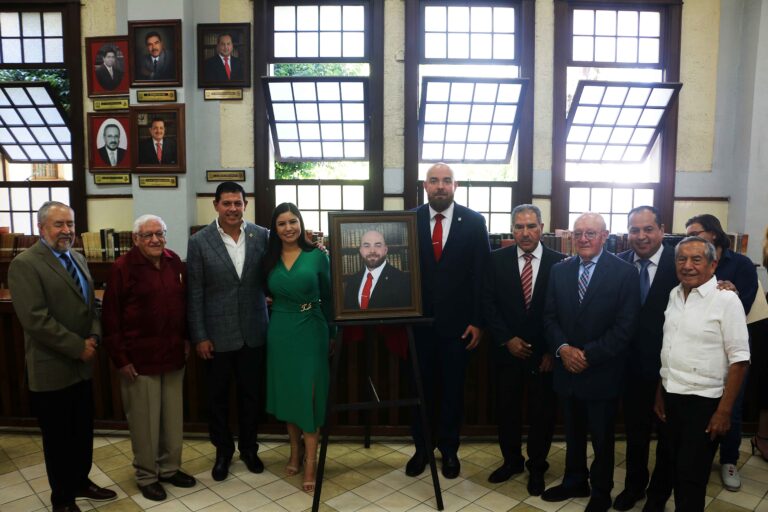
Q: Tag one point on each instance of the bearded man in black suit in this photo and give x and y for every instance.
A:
(110, 153)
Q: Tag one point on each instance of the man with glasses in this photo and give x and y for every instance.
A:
(145, 330)
(592, 305)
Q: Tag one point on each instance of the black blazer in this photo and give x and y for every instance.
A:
(452, 289)
(393, 289)
(148, 154)
(645, 346)
(107, 81)
(105, 156)
(602, 325)
(504, 305)
(213, 69)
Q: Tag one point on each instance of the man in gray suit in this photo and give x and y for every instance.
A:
(53, 297)
(227, 316)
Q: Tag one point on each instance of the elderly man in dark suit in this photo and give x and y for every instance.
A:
(378, 284)
(227, 314)
(515, 290)
(453, 253)
(592, 305)
(157, 149)
(223, 67)
(53, 298)
(655, 264)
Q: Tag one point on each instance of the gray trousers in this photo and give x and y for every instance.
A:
(154, 408)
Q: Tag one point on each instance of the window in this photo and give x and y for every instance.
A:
(474, 107)
(31, 38)
(615, 109)
(323, 99)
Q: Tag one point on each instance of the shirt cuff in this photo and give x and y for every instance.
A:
(557, 352)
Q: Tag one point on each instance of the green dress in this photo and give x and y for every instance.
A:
(297, 341)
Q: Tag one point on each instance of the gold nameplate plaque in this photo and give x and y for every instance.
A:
(111, 104)
(158, 182)
(224, 175)
(112, 179)
(223, 94)
(151, 96)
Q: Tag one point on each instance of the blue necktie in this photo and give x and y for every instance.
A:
(584, 279)
(645, 280)
(72, 272)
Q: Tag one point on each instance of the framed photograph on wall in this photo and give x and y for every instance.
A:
(384, 245)
(107, 64)
(155, 53)
(109, 147)
(223, 55)
(157, 138)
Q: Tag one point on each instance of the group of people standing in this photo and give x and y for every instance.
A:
(589, 329)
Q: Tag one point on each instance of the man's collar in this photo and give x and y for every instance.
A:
(54, 251)
(655, 258)
(594, 258)
(537, 252)
(447, 213)
(221, 230)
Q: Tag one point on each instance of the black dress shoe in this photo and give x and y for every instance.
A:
(627, 499)
(67, 508)
(598, 504)
(252, 462)
(654, 504)
(536, 483)
(416, 465)
(221, 467)
(451, 466)
(179, 479)
(95, 493)
(562, 493)
(505, 472)
(153, 491)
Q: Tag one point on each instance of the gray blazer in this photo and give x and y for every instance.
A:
(229, 311)
(55, 318)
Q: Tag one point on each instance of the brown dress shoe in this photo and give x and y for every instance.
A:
(95, 493)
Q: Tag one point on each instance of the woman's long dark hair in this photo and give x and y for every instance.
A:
(275, 245)
(712, 224)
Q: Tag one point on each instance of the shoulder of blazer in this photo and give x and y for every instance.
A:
(551, 255)
(627, 255)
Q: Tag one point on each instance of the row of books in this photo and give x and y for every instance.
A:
(12, 244)
(103, 245)
(394, 233)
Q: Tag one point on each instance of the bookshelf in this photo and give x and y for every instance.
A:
(395, 236)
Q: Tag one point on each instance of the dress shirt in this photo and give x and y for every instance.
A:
(703, 335)
(448, 218)
(109, 70)
(535, 263)
(376, 273)
(236, 250)
(591, 270)
(653, 267)
(80, 276)
(112, 153)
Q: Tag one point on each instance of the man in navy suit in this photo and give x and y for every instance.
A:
(592, 306)
(515, 290)
(453, 252)
(215, 68)
(655, 264)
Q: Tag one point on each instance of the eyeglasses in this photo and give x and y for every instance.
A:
(590, 235)
(148, 236)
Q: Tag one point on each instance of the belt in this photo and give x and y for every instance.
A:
(295, 307)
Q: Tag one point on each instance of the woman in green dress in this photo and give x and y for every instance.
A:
(299, 336)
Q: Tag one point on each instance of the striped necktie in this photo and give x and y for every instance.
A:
(526, 278)
(70, 266)
(584, 279)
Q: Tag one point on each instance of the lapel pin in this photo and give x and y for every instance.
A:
(250, 235)
(459, 219)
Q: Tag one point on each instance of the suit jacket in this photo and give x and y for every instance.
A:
(107, 81)
(393, 289)
(602, 325)
(166, 67)
(148, 153)
(120, 155)
(504, 305)
(452, 288)
(230, 311)
(214, 71)
(645, 347)
(55, 318)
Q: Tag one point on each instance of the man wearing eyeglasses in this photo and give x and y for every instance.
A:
(145, 330)
(592, 305)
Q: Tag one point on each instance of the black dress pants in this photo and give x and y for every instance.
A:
(65, 417)
(637, 403)
(246, 366)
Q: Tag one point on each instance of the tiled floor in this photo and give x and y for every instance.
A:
(356, 480)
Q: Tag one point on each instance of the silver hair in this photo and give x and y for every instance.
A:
(527, 208)
(42, 213)
(710, 252)
(146, 218)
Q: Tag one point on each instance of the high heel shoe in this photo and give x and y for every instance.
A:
(755, 442)
(291, 470)
(309, 485)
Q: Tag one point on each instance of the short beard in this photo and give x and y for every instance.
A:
(440, 205)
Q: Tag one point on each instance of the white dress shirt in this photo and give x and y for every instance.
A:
(448, 214)
(654, 265)
(703, 335)
(236, 250)
(376, 273)
(535, 263)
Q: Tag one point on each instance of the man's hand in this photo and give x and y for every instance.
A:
(573, 359)
(727, 285)
(129, 373)
(658, 405)
(472, 335)
(719, 424)
(519, 348)
(89, 352)
(205, 349)
(547, 363)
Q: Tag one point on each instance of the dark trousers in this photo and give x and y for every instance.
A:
(512, 384)
(638, 399)
(596, 418)
(65, 417)
(449, 358)
(245, 364)
(730, 443)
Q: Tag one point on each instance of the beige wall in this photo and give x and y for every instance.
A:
(114, 213)
(684, 210)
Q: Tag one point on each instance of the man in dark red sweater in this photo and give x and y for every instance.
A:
(145, 330)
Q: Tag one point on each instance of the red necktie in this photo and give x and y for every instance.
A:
(226, 67)
(526, 278)
(437, 236)
(159, 153)
(366, 292)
